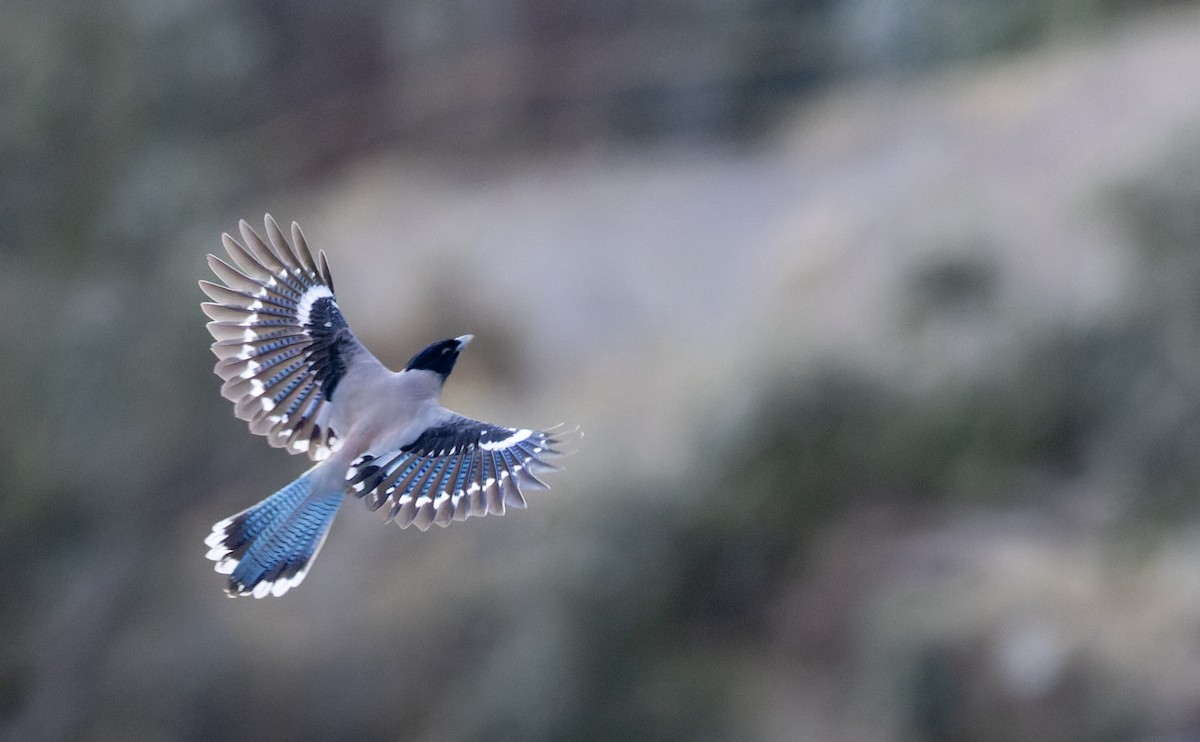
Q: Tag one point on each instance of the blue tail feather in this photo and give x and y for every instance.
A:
(268, 548)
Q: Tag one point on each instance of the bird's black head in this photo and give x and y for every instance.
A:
(440, 356)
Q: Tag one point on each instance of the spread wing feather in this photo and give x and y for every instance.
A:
(280, 337)
(455, 470)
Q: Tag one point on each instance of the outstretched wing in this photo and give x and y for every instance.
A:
(454, 470)
(282, 342)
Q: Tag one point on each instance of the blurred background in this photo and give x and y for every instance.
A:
(882, 319)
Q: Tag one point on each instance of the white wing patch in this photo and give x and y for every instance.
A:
(305, 305)
(508, 442)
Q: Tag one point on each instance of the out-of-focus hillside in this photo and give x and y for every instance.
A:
(880, 322)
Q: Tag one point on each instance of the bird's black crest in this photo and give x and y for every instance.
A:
(438, 358)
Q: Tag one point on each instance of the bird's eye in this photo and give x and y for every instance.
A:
(445, 351)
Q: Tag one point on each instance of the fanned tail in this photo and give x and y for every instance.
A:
(268, 548)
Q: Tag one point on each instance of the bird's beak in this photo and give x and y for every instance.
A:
(464, 340)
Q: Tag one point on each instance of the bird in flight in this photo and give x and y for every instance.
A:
(298, 376)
